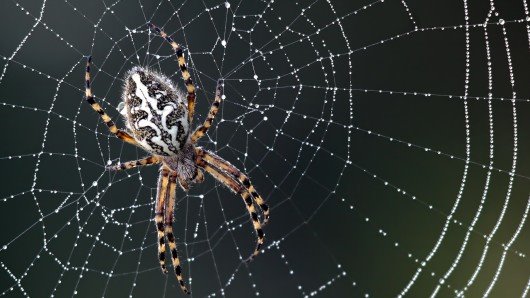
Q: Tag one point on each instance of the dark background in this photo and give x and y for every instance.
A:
(362, 156)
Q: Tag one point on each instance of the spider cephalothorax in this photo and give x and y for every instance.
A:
(159, 118)
(184, 163)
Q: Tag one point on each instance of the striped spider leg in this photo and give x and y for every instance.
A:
(160, 208)
(221, 163)
(164, 208)
(106, 118)
(214, 108)
(239, 176)
(190, 87)
(237, 182)
(150, 160)
(168, 232)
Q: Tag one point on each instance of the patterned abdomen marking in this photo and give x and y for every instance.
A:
(155, 112)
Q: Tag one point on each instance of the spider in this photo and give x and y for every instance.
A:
(159, 122)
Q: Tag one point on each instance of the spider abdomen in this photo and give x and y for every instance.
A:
(155, 112)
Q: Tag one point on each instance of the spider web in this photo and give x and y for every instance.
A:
(390, 139)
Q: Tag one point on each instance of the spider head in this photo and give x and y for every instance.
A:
(184, 164)
(155, 112)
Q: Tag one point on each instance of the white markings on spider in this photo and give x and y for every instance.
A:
(157, 118)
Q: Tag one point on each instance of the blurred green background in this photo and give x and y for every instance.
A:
(354, 130)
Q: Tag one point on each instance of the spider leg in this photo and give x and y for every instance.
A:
(163, 183)
(150, 160)
(183, 69)
(224, 165)
(169, 231)
(200, 176)
(201, 130)
(238, 189)
(124, 136)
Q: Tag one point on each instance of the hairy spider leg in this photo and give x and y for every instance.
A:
(201, 130)
(169, 231)
(227, 167)
(238, 189)
(183, 69)
(106, 118)
(200, 176)
(150, 160)
(163, 183)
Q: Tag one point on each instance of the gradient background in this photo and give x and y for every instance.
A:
(304, 175)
